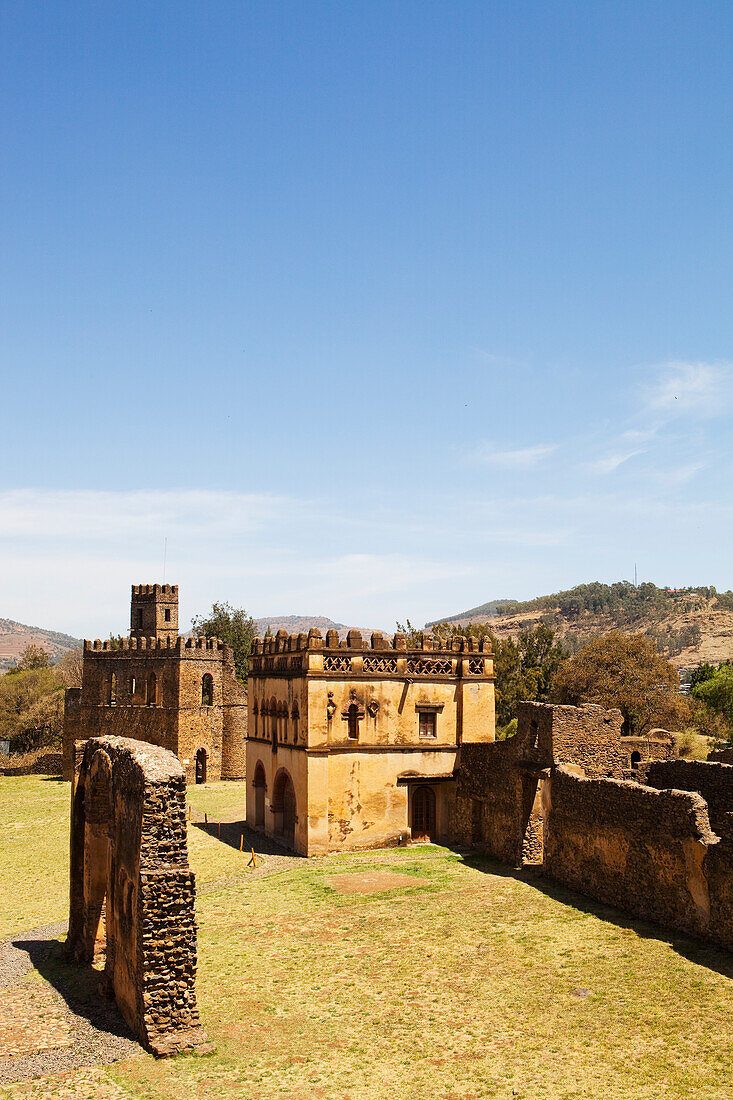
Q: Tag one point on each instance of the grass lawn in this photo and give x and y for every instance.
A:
(474, 983)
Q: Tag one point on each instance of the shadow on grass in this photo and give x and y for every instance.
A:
(697, 951)
(239, 835)
(81, 987)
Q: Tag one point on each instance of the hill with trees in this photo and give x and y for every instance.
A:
(15, 637)
(687, 625)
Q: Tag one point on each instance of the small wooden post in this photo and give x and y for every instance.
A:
(241, 842)
(220, 830)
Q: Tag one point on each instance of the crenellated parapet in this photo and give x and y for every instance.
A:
(377, 655)
(154, 591)
(183, 648)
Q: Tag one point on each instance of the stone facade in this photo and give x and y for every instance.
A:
(179, 693)
(353, 744)
(131, 890)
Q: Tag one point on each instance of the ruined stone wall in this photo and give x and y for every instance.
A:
(129, 856)
(721, 756)
(713, 781)
(589, 737)
(651, 853)
(487, 810)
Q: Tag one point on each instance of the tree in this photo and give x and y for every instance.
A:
(624, 671)
(233, 626)
(717, 692)
(704, 671)
(32, 657)
(70, 667)
(31, 708)
(524, 667)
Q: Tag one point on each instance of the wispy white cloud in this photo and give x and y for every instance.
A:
(700, 389)
(522, 458)
(611, 463)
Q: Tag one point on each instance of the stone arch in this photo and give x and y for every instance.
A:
(260, 785)
(121, 791)
(284, 807)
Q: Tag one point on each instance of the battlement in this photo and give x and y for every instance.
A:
(283, 642)
(192, 648)
(154, 591)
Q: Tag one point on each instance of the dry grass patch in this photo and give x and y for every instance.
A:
(462, 981)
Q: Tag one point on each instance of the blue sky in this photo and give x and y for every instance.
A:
(373, 310)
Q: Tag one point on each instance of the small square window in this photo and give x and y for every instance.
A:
(427, 723)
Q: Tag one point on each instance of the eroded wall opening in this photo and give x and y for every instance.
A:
(129, 861)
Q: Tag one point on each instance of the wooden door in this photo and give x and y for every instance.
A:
(423, 814)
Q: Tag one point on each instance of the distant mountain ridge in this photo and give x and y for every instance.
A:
(14, 637)
(485, 611)
(297, 624)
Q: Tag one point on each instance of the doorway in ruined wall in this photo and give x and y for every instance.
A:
(98, 809)
(284, 808)
(423, 814)
(201, 765)
(260, 787)
(533, 821)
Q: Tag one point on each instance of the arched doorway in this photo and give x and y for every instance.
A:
(283, 808)
(423, 813)
(201, 757)
(260, 787)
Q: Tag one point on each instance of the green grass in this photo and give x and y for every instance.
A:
(477, 984)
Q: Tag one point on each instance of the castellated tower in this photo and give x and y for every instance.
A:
(179, 693)
(154, 611)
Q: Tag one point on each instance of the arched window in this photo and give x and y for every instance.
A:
(201, 762)
(133, 686)
(353, 720)
(295, 716)
(207, 691)
(635, 759)
(255, 712)
(112, 690)
(152, 690)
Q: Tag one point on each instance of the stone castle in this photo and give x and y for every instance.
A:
(351, 744)
(359, 744)
(179, 693)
